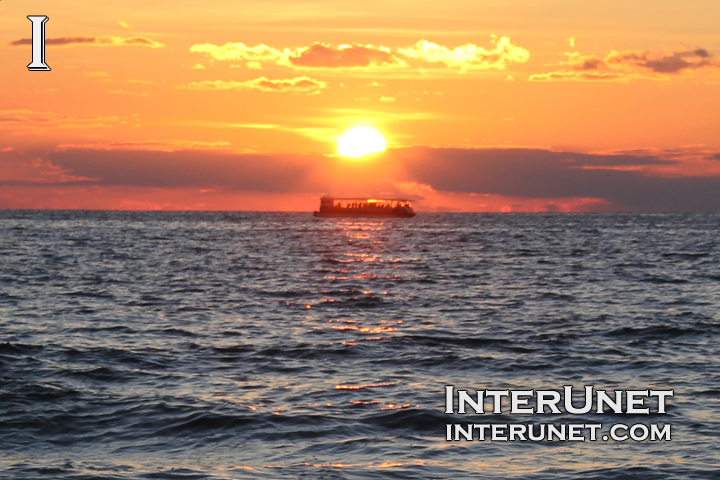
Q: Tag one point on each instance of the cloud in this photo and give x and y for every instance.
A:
(240, 51)
(198, 66)
(387, 99)
(535, 173)
(103, 41)
(325, 56)
(469, 57)
(509, 178)
(187, 168)
(628, 65)
(62, 41)
(98, 74)
(292, 85)
(571, 41)
(673, 62)
(583, 62)
(318, 55)
(124, 25)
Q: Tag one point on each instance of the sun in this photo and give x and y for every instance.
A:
(359, 141)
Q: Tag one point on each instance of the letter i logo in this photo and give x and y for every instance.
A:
(38, 44)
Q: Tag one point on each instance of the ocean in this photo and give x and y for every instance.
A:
(219, 345)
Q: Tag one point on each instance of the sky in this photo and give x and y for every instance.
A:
(485, 105)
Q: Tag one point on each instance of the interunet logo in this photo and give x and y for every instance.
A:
(38, 44)
(557, 402)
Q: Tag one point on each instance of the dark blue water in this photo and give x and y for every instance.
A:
(267, 345)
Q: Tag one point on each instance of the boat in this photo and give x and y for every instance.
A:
(364, 207)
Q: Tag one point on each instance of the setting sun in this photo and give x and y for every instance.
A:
(359, 141)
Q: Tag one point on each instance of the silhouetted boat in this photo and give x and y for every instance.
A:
(364, 207)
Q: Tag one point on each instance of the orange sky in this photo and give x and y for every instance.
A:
(512, 105)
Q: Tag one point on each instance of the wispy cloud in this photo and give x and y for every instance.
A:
(125, 92)
(98, 74)
(564, 76)
(293, 85)
(103, 41)
(240, 51)
(156, 146)
(21, 120)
